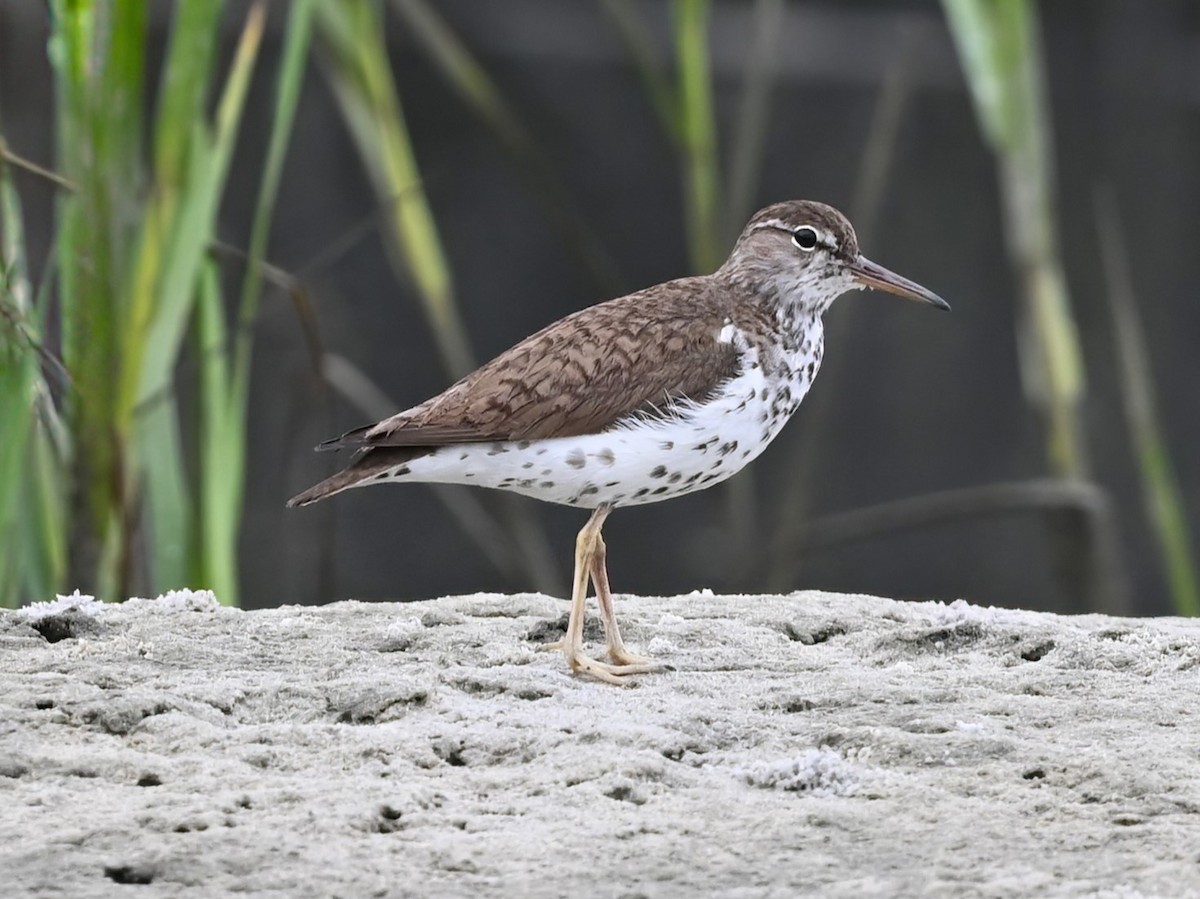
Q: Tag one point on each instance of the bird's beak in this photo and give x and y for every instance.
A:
(868, 274)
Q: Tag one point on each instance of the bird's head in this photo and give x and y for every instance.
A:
(805, 254)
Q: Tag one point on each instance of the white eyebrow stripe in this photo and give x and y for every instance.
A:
(825, 237)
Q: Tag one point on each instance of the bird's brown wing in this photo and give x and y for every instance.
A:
(580, 375)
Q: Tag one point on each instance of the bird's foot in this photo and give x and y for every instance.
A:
(610, 674)
(623, 657)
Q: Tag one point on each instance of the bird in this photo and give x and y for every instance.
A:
(650, 396)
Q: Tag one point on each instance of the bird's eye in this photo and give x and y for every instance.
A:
(806, 238)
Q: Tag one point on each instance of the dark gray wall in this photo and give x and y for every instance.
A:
(915, 402)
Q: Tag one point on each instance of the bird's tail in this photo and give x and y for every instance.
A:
(371, 463)
(343, 480)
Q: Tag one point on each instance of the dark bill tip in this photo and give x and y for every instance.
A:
(869, 274)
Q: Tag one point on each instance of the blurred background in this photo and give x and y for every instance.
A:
(232, 230)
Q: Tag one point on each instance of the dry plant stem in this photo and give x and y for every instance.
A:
(753, 116)
(33, 168)
(1106, 583)
(1161, 496)
(999, 47)
(886, 119)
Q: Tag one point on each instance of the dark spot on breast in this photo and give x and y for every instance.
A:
(727, 448)
(469, 474)
(693, 478)
(606, 457)
(674, 479)
(658, 490)
(763, 395)
(546, 485)
(716, 465)
(576, 458)
(612, 483)
(541, 451)
(589, 490)
(668, 445)
(641, 492)
(384, 476)
(462, 457)
(659, 471)
(707, 478)
(525, 483)
(523, 444)
(497, 449)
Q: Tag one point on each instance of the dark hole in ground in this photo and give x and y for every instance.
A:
(1036, 653)
(948, 638)
(624, 793)
(388, 820)
(134, 874)
(549, 631)
(812, 636)
(57, 627)
(451, 754)
(1034, 774)
(149, 780)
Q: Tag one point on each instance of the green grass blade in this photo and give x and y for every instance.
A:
(222, 447)
(45, 549)
(999, 48)
(1161, 495)
(473, 84)
(698, 130)
(659, 87)
(287, 94)
(754, 116)
(86, 239)
(176, 545)
(18, 376)
(207, 170)
(184, 86)
(225, 364)
(353, 34)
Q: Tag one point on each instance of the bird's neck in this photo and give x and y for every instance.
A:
(795, 296)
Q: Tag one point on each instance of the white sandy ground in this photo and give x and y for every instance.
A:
(813, 744)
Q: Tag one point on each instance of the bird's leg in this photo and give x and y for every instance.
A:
(572, 644)
(616, 646)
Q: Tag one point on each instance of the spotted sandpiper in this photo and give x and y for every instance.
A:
(663, 392)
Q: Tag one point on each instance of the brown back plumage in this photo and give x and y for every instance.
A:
(580, 375)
